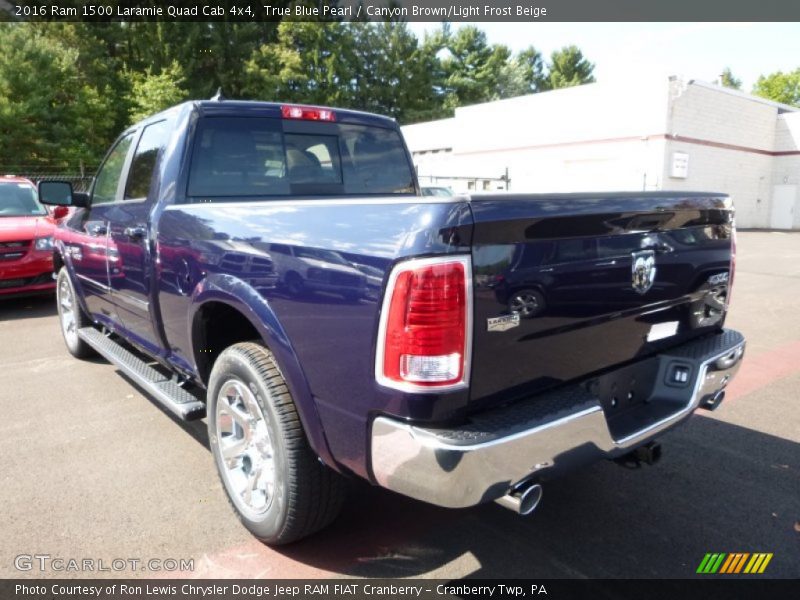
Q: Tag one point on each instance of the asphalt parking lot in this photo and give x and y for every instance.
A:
(91, 468)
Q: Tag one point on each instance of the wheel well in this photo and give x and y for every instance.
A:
(215, 327)
(58, 262)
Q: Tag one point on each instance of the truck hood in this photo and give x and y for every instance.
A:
(566, 286)
(25, 228)
(330, 266)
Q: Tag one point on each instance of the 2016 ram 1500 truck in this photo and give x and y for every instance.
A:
(275, 268)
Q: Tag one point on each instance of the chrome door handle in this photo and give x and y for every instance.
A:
(135, 233)
(660, 248)
(96, 229)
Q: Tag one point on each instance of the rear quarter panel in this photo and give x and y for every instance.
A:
(324, 342)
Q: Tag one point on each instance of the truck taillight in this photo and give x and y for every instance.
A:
(307, 113)
(424, 338)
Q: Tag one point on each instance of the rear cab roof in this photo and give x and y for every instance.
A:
(253, 108)
(233, 108)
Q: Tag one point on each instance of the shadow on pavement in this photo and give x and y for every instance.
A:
(196, 429)
(28, 307)
(719, 488)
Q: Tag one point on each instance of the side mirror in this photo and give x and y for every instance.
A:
(59, 193)
(80, 199)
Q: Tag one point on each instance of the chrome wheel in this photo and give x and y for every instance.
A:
(67, 308)
(526, 304)
(246, 453)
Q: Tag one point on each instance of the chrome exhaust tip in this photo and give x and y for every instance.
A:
(522, 500)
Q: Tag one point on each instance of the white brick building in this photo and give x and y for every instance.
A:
(652, 135)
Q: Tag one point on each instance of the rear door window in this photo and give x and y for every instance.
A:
(153, 140)
(255, 156)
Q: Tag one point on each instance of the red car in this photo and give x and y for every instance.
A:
(26, 239)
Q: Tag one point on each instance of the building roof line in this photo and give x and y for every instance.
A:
(639, 138)
(744, 95)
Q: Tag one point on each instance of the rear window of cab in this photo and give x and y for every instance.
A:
(256, 157)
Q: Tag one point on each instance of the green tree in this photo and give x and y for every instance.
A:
(568, 67)
(307, 63)
(524, 74)
(67, 89)
(152, 93)
(780, 87)
(374, 67)
(211, 55)
(51, 112)
(727, 79)
(472, 68)
(394, 74)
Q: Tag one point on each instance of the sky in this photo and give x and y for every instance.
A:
(690, 50)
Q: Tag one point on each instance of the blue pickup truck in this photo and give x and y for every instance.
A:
(276, 269)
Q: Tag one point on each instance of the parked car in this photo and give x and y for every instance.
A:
(303, 270)
(433, 190)
(433, 385)
(26, 239)
(374, 279)
(542, 278)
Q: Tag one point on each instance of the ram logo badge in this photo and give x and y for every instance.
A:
(718, 278)
(643, 270)
(503, 323)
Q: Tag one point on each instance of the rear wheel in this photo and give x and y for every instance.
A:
(526, 303)
(71, 316)
(276, 484)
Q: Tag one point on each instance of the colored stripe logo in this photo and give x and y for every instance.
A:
(734, 563)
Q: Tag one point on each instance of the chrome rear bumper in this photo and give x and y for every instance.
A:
(545, 434)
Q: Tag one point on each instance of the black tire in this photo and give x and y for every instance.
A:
(68, 305)
(294, 284)
(526, 303)
(306, 495)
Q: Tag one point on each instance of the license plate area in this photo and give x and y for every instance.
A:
(627, 388)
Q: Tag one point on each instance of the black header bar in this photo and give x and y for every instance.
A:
(403, 10)
(710, 588)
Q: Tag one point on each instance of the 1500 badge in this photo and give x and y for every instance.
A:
(503, 323)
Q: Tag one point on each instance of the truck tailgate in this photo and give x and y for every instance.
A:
(569, 285)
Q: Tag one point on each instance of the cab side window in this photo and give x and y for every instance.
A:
(153, 140)
(107, 181)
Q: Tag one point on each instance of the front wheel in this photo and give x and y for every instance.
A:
(71, 316)
(294, 284)
(278, 488)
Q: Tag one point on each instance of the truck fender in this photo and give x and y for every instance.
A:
(62, 257)
(237, 294)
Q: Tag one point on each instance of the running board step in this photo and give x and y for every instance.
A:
(168, 393)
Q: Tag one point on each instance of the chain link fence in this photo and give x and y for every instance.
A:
(80, 182)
